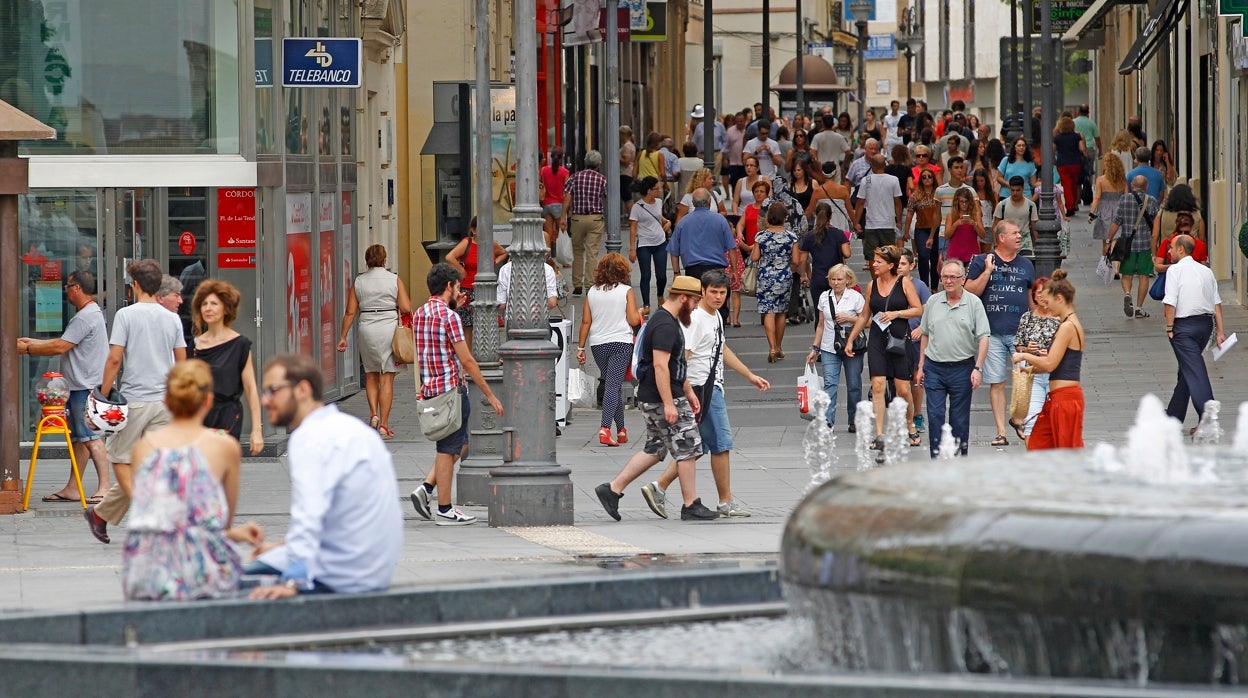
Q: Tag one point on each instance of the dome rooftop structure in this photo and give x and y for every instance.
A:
(817, 76)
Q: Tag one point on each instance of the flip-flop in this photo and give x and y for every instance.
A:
(999, 441)
(915, 439)
(1139, 312)
(94, 499)
(1018, 429)
(57, 497)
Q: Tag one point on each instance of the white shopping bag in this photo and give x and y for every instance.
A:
(1105, 270)
(807, 383)
(580, 388)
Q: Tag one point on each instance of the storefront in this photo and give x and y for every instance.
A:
(179, 144)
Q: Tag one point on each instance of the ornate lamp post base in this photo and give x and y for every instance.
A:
(485, 442)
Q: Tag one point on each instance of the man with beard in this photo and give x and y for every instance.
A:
(667, 402)
(440, 351)
(346, 530)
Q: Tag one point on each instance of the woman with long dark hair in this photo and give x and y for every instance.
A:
(1180, 199)
(608, 317)
(773, 252)
(647, 231)
(986, 195)
(553, 177)
(1018, 163)
(824, 247)
(1163, 161)
(801, 146)
(924, 213)
(1060, 422)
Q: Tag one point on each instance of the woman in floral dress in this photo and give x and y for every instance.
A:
(773, 252)
(183, 493)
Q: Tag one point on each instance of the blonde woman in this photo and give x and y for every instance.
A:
(1123, 147)
(702, 179)
(1107, 191)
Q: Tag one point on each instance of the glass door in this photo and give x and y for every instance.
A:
(128, 235)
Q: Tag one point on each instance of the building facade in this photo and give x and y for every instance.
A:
(177, 141)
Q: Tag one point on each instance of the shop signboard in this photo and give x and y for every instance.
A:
(299, 273)
(236, 217)
(325, 220)
(321, 62)
(1064, 14)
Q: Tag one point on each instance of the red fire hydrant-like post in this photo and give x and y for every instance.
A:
(15, 126)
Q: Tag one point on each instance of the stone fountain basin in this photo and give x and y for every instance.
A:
(1046, 543)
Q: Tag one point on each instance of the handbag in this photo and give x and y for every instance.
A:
(1158, 290)
(842, 332)
(1020, 397)
(897, 346)
(749, 279)
(440, 416)
(403, 344)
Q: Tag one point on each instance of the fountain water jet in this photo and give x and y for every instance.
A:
(819, 442)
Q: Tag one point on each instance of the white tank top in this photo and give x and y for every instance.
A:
(609, 312)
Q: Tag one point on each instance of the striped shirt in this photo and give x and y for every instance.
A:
(589, 190)
(437, 329)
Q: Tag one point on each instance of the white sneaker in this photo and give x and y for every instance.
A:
(732, 509)
(420, 501)
(656, 498)
(454, 517)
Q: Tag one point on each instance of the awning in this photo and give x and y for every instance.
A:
(443, 139)
(1165, 18)
(1099, 9)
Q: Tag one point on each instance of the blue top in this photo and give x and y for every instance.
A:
(1006, 295)
(924, 293)
(1019, 168)
(1156, 181)
(702, 236)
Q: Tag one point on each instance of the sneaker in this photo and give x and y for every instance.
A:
(697, 512)
(732, 509)
(610, 500)
(454, 517)
(656, 498)
(420, 500)
(919, 426)
(1127, 308)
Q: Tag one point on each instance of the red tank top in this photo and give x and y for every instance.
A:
(470, 265)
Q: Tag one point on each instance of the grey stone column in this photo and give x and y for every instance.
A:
(485, 435)
(1048, 253)
(530, 488)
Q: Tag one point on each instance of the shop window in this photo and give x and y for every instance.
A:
(110, 84)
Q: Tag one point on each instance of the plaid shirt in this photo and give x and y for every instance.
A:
(1126, 216)
(437, 329)
(589, 190)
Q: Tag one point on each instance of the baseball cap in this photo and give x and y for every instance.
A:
(685, 285)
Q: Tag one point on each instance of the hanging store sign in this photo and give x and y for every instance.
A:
(880, 47)
(656, 23)
(321, 62)
(1064, 14)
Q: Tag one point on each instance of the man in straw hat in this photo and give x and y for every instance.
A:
(667, 401)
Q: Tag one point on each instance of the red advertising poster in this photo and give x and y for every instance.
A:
(299, 273)
(347, 276)
(329, 344)
(236, 217)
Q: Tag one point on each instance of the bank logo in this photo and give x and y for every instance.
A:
(322, 56)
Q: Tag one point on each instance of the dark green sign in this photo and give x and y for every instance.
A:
(1065, 13)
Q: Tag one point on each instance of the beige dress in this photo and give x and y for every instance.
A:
(377, 293)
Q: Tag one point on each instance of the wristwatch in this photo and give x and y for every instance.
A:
(814, 347)
(291, 584)
(978, 368)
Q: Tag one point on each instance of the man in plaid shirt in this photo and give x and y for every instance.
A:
(584, 197)
(441, 350)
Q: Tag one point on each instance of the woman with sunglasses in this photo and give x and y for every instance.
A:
(801, 144)
(924, 213)
(892, 300)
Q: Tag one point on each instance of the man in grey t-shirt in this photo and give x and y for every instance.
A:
(83, 348)
(150, 339)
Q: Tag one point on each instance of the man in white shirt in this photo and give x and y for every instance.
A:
(830, 145)
(862, 164)
(766, 150)
(1193, 310)
(346, 529)
(880, 194)
(504, 288)
(706, 351)
(891, 120)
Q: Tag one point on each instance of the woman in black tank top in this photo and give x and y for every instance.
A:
(1060, 422)
(892, 298)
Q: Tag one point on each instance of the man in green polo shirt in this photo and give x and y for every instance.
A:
(952, 349)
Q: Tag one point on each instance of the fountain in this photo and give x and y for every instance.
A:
(1126, 563)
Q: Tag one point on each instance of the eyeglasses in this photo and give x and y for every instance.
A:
(69, 286)
(270, 391)
(950, 277)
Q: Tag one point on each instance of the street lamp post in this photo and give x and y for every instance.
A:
(911, 42)
(1047, 248)
(861, 10)
(530, 488)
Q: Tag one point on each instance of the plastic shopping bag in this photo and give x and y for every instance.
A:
(1105, 270)
(807, 383)
(580, 388)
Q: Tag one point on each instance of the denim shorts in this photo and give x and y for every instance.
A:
(715, 429)
(1000, 362)
(77, 409)
(681, 439)
(453, 444)
(553, 210)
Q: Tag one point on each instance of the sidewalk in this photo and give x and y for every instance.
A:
(50, 561)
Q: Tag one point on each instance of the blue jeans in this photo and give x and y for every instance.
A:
(948, 381)
(715, 428)
(832, 364)
(656, 255)
(928, 257)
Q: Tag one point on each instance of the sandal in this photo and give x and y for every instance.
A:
(771, 357)
(915, 439)
(1018, 429)
(999, 441)
(1141, 313)
(878, 444)
(373, 421)
(386, 432)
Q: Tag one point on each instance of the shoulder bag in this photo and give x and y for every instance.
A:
(842, 332)
(897, 346)
(1122, 246)
(441, 415)
(403, 345)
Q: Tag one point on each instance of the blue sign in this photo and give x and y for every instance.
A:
(880, 47)
(321, 62)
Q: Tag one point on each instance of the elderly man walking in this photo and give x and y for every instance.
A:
(584, 196)
(702, 239)
(1133, 222)
(952, 350)
(1002, 279)
(1193, 310)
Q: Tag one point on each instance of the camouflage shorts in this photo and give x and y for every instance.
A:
(682, 439)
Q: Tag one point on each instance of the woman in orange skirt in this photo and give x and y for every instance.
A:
(1060, 422)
